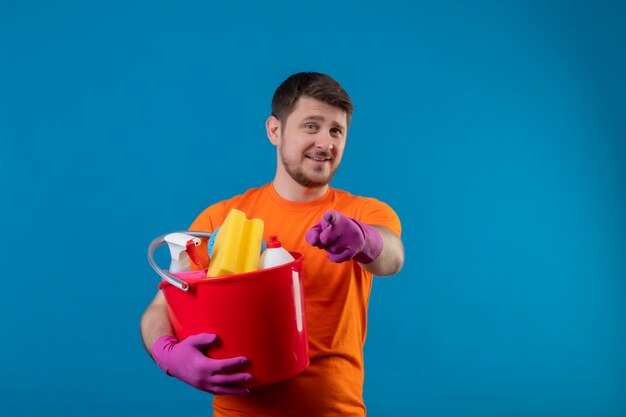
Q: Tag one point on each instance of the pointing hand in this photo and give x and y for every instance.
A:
(345, 238)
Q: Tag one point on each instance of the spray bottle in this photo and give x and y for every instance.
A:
(182, 246)
(274, 255)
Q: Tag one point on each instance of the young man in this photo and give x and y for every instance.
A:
(345, 240)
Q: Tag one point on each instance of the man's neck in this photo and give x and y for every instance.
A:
(292, 191)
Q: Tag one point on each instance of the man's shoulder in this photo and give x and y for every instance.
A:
(367, 209)
(213, 215)
(347, 197)
(249, 193)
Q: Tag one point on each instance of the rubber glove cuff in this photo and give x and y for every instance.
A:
(373, 243)
(160, 347)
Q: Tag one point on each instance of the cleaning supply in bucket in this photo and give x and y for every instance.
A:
(183, 251)
(199, 255)
(274, 255)
(211, 243)
(237, 246)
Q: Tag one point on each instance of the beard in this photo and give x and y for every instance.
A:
(297, 173)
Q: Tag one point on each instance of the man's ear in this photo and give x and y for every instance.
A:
(272, 125)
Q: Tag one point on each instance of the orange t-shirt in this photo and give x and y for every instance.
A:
(336, 297)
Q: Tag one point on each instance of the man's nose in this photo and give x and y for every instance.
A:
(324, 142)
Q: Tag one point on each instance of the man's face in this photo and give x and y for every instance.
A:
(312, 141)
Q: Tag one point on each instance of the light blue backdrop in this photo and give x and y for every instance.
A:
(495, 129)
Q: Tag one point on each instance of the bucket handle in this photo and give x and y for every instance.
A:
(156, 242)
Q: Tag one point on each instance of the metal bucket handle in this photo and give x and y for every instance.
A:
(177, 282)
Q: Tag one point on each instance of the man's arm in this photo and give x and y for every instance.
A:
(391, 258)
(155, 322)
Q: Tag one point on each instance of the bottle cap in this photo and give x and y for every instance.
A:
(273, 243)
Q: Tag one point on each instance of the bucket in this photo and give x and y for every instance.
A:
(259, 315)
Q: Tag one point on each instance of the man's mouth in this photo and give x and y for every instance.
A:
(319, 158)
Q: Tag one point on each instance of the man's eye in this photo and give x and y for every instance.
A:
(310, 126)
(335, 131)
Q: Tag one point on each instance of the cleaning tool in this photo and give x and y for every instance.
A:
(167, 276)
(182, 247)
(211, 243)
(274, 255)
(198, 254)
(237, 246)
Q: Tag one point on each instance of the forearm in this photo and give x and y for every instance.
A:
(155, 322)
(391, 258)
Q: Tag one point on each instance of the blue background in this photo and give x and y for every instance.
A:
(495, 129)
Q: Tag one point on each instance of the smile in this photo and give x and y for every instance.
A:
(319, 159)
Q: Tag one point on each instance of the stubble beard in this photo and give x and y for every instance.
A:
(296, 172)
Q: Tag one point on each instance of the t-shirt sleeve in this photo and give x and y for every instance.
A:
(210, 219)
(376, 213)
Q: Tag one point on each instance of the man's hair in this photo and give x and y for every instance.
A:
(311, 84)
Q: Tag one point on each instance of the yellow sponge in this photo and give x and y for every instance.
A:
(237, 245)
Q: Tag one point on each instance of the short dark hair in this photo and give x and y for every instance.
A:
(311, 84)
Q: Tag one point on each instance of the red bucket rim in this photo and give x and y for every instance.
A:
(235, 277)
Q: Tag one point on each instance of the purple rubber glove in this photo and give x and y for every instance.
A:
(345, 238)
(185, 361)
